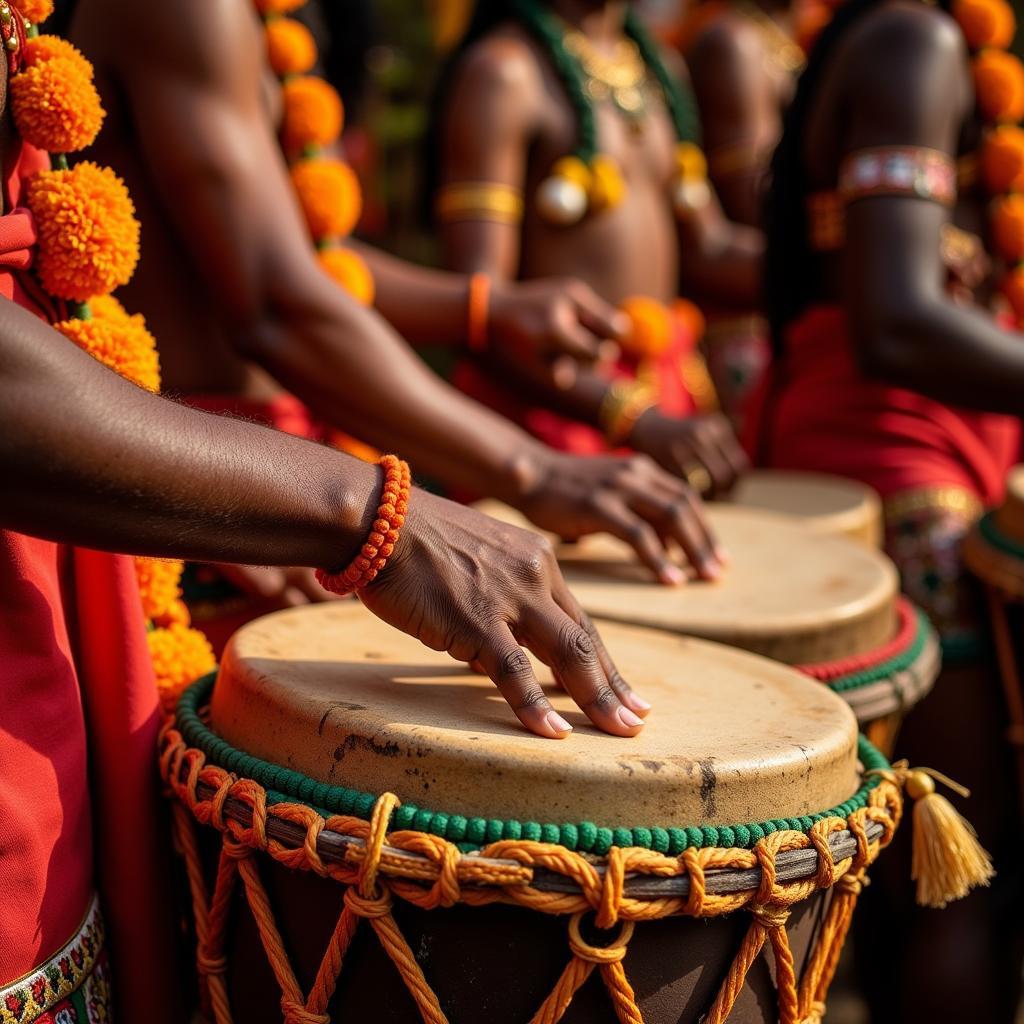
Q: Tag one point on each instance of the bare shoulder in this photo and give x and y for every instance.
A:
(505, 62)
(729, 41)
(908, 33)
(193, 36)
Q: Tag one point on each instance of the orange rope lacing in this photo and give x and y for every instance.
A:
(376, 871)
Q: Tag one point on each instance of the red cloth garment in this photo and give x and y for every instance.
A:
(72, 650)
(571, 435)
(283, 412)
(817, 411)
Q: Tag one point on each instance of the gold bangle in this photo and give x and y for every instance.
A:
(623, 404)
(480, 200)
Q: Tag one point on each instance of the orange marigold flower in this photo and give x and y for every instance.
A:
(1013, 288)
(1008, 227)
(88, 234)
(180, 656)
(650, 326)
(271, 7)
(291, 49)
(329, 195)
(985, 22)
(349, 269)
(36, 11)
(176, 612)
(159, 585)
(690, 316)
(106, 307)
(46, 47)
(56, 106)
(1002, 159)
(313, 113)
(125, 346)
(999, 83)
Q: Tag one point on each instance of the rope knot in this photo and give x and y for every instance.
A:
(235, 851)
(613, 953)
(815, 1015)
(612, 889)
(378, 905)
(852, 884)
(770, 915)
(296, 1013)
(379, 819)
(208, 965)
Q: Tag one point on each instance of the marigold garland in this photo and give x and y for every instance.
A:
(313, 114)
(88, 234)
(312, 120)
(988, 27)
(349, 269)
(88, 244)
(291, 49)
(650, 330)
(329, 196)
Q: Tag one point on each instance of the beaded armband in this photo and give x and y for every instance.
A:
(380, 544)
(623, 404)
(899, 171)
(480, 200)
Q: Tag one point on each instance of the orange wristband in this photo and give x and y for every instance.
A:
(479, 312)
(380, 544)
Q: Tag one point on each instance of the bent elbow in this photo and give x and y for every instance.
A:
(887, 344)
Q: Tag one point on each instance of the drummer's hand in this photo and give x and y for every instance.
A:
(629, 497)
(289, 586)
(482, 590)
(561, 321)
(701, 449)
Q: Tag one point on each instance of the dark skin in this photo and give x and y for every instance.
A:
(741, 92)
(508, 120)
(165, 480)
(901, 77)
(914, 90)
(231, 286)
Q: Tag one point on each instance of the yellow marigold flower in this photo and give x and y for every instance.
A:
(46, 47)
(650, 326)
(88, 234)
(270, 7)
(999, 83)
(56, 106)
(125, 346)
(607, 187)
(159, 585)
(36, 11)
(349, 269)
(313, 113)
(985, 22)
(180, 656)
(291, 49)
(329, 194)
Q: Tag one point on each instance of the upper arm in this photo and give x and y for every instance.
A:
(488, 126)
(193, 78)
(914, 92)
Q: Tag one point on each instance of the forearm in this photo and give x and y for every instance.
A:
(159, 478)
(722, 264)
(356, 374)
(952, 353)
(425, 306)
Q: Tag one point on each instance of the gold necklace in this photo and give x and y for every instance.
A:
(621, 78)
(783, 51)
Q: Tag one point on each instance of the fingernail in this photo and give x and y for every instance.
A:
(723, 554)
(557, 723)
(628, 719)
(636, 702)
(712, 570)
(621, 323)
(674, 575)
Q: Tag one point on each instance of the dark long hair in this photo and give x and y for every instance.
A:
(792, 279)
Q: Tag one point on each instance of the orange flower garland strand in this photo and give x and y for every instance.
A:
(88, 246)
(988, 27)
(313, 117)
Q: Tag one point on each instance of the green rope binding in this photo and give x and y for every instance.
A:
(283, 784)
(885, 669)
(547, 30)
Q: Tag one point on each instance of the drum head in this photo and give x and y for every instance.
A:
(787, 593)
(331, 691)
(831, 505)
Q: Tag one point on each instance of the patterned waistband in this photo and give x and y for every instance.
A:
(957, 500)
(71, 987)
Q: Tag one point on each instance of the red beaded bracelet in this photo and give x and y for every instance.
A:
(374, 554)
